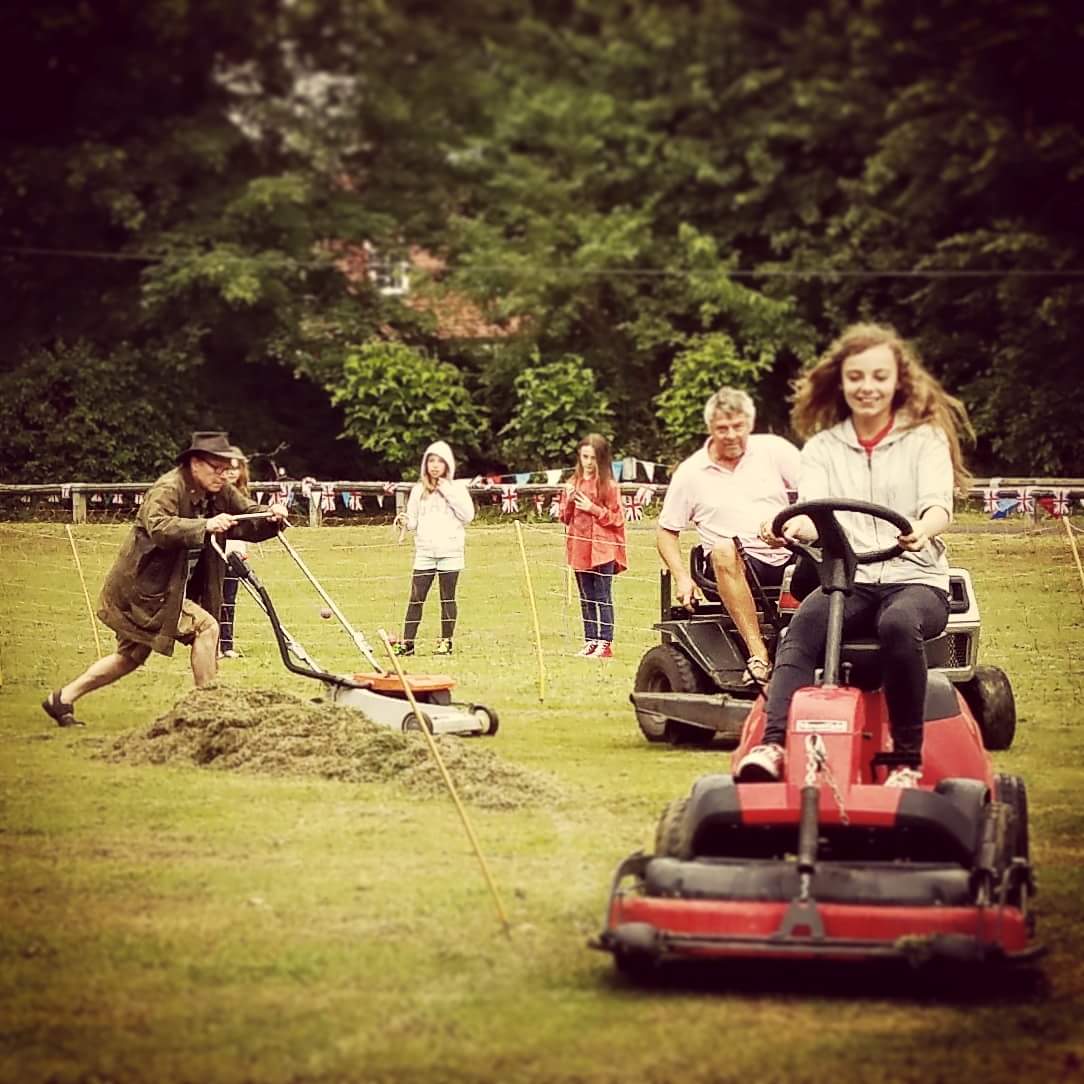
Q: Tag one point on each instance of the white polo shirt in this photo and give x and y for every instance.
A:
(725, 503)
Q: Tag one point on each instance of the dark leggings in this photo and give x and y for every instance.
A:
(229, 608)
(596, 601)
(901, 616)
(420, 582)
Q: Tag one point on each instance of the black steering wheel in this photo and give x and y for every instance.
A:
(837, 560)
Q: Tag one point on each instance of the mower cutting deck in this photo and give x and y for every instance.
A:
(827, 862)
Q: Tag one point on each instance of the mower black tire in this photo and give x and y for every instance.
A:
(989, 696)
(1013, 792)
(673, 837)
(667, 669)
(411, 723)
(487, 717)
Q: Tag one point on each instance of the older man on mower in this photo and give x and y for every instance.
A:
(166, 582)
(726, 490)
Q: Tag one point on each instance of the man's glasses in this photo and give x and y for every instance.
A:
(216, 468)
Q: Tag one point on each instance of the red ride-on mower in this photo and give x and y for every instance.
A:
(828, 863)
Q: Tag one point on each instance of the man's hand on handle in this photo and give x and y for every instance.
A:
(685, 591)
(220, 523)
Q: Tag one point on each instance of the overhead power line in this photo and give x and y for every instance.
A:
(633, 272)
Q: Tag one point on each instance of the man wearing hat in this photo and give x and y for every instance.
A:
(166, 582)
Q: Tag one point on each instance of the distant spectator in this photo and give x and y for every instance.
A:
(227, 647)
(595, 541)
(437, 512)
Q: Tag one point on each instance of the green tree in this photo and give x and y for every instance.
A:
(396, 399)
(557, 403)
(75, 414)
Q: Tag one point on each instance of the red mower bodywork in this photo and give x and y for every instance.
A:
(830, 863)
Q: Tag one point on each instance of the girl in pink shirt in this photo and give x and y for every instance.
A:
(595, 542)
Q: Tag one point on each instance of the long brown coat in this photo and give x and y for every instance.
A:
(142, 594)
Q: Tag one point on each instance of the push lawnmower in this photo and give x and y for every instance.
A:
(378, 693)
(689, 688)
(828, 863)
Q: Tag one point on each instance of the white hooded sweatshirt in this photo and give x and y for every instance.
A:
(439, 519)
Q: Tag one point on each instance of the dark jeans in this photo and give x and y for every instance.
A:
(229, 606)
(596, 601)
(420, 582)
(901, 616)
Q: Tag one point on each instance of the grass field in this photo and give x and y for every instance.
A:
(174, 923)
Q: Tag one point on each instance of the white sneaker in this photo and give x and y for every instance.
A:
(903, 778)
(587, 650)
(762, 764)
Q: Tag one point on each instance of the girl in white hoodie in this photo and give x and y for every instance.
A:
(881, 429)
(437, 512)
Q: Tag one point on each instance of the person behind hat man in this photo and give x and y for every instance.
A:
(166, 582)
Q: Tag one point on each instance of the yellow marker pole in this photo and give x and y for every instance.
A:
(1072, 546)
(86, 594)
(501, 913)
(534, 615)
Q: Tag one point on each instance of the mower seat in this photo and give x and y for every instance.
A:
(704, 577)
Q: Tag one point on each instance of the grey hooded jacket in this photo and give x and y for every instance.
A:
(909, 471)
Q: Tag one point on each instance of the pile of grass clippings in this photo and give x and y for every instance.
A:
(272, 732)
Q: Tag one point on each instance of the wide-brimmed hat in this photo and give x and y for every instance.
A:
(212, 442)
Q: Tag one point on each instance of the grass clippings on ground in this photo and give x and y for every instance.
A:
(275, 733)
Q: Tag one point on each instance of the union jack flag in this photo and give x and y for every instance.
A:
(509, 499)
(1027, 501)
(539, 504)
(634, 507)
(327, 500)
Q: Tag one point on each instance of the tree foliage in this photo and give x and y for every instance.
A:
(74, 414)
(397, 399)
(557, 403)
(633, 185)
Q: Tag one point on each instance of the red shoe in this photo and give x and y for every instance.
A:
(603, 651)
